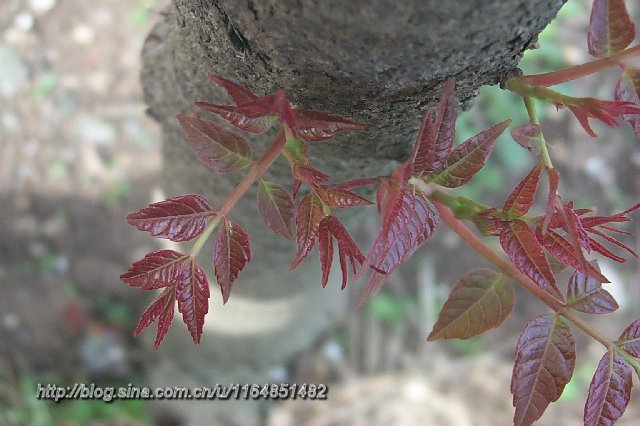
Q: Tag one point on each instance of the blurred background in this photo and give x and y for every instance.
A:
(77, 154)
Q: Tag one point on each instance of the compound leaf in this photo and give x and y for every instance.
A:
(231, 253)
(479, 301)
(610, 28)
(157, 269)
(192, 293)
(275, 204)
(178, 218)
(609, 391)
(162, 310)
(545, 358)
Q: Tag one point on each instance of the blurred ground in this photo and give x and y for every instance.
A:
(77, 153)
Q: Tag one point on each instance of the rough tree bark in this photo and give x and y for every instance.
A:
(380, 62)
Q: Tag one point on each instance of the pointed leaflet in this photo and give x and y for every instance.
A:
(347, 248)
(523, 195)
(554, 182)
(479, 301)
(308, 217)
(629, 340)
(192, 293)
(218, 148)
(158, 269)
(239, 94)
(545, 357)
(522, 247)
(309, 174)
(162, 310)
(609, 391)
(341, 198)
(610, 28)
(178, 218)
(325, 247)
(435, 139)
(528, 136)
(319, 126)
(276, 208)
(628, 90)
(231, 254)
(469, 157)
(604, 111)
(586, 294)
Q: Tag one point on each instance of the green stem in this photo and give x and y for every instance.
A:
(255, 172)
(473, 241)
(578, 71)
(530, 104)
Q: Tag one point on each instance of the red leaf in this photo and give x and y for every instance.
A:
(407, 230)
(545, 358)
(469, 157)
(276, 208)
(192, 293)
(604, 111)
(356, 183)
(325, 247)
(522, 247)
(158, 269)
(341, 198)
(628, 90)
(523, 195)
(528, 136)
(568, 254)
(435, 139)
(596, 246)
(318, 126)
(586, 294)
(629, 340)
(162, 310)
(347, 248)
(610, 28)
(609, 391)
(309, 174)
(240, 117)
(479, 301)
(574, 227)
(239, 94)
(215, 146)
(554, 182)
(178, 218)
(308, 217)
(231, 254)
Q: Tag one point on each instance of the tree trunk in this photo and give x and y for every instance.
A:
(380, 62)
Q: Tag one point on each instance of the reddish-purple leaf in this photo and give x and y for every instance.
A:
(319, 126)
(586, 294)
(545, 358)
(325, 247)
(574, 228)
(276, 208)
(162, 310)
(347, 248)
(523, 195)
(469, 157)
(435, 139)
(192, 293)
(609, 391)
(309, 174)
(178, 218)
(406, 231)
(610, 28)
(308, 217)
(524, 250)
(231, 254)
(157, 269)
(479, 301)
(604, 111)
(240, 117)
(554, 182)
(239, 94)
(356, 183)
(568, 254)
(628, 90)
(218, 148)
(341, 198)
(597, 247)
(629, 340)
(612, 241)
(528, 136)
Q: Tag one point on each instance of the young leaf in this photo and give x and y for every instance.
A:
(178, 218)
(435, 139)
(522, 247)
(628, 90)
(554, 182)
(604, 111)
(319, 126)
(157, 269)
(308, 217)
(347, 248)
(341, 198)
(240, 117)
(276, 208)
(610, 28)
(545, 358)
(325, 247)
(527, 136)
(586, 294)
(192, 293)
(469, 157)
(629, 340)
(218, 148)
(231, 253)
(609, 391)
(239, 94)
(479, 301)
(162, 310)
(523, 195)
(309, 174)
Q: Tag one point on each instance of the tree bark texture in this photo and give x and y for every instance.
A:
(379, 62)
